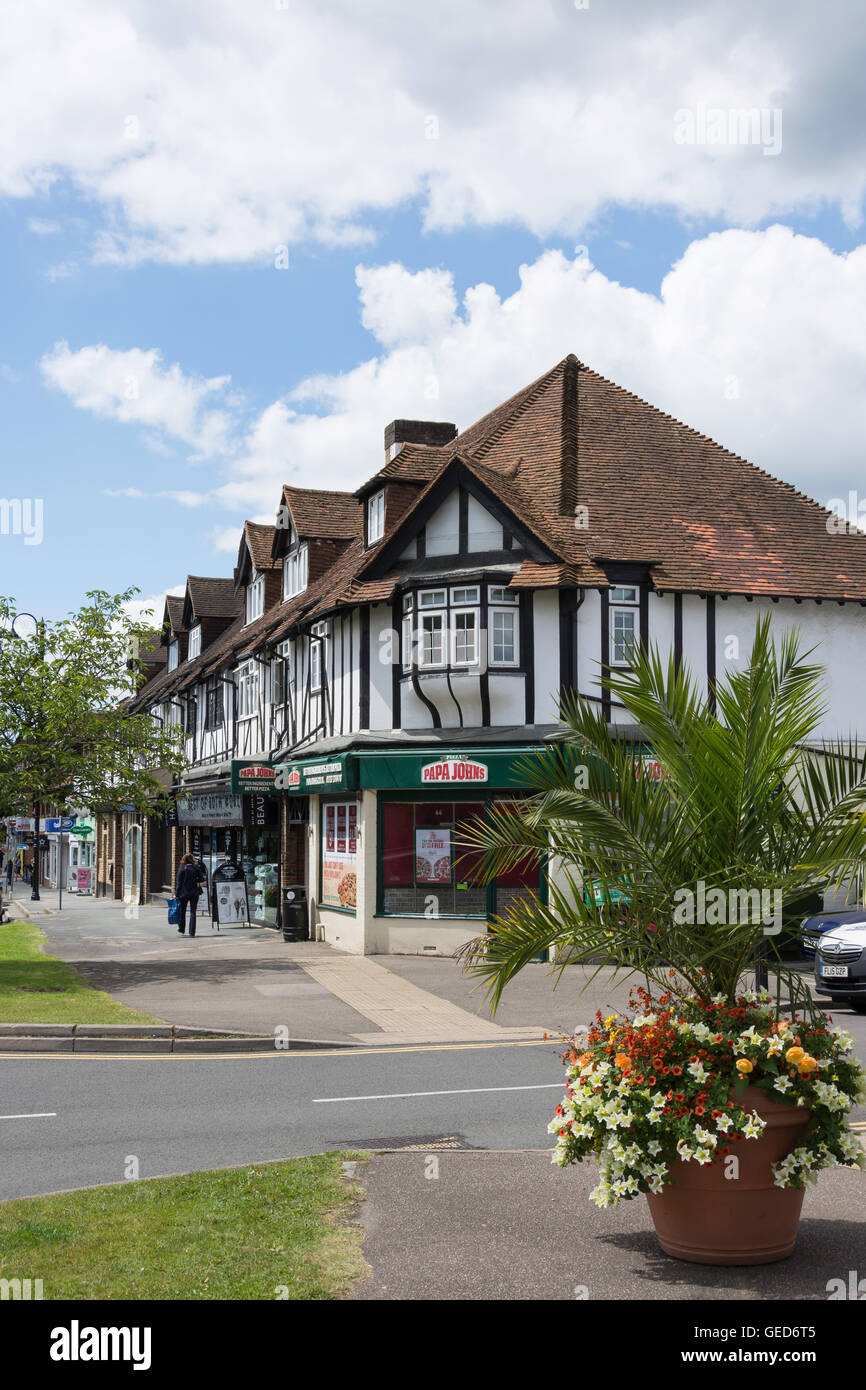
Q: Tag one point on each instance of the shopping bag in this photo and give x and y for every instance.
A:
(173, 912)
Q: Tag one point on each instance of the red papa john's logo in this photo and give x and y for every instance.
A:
(257, 772)
(455, 770)
(294, 778)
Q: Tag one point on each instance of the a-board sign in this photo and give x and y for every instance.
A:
(230, 895)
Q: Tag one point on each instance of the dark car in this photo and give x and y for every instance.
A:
(840, 965)
(813, 928)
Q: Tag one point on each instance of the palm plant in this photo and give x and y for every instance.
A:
(747, 804)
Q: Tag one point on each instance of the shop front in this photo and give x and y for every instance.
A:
(389, 870)
(226, 828)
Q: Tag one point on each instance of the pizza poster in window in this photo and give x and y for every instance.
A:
(433, 854)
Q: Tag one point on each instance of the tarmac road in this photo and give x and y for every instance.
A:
(74, 1121)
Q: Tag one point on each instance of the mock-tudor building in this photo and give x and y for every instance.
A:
(381, 659)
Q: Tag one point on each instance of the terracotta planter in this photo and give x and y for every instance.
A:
(710, 1219)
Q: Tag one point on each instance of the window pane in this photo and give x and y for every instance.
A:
(398, 862)
(465, 629)
(503, 636)
(622, 633)
(432, 643)
(432, 598)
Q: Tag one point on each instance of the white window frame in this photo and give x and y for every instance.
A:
(432, 598)
(408, 640)
(247, 690)
(502, 663)
(278, 680)
(255, 599)
(194, 644)
(471, 596)
(376, 517)
(442, 615)
(622, 599)
(614, 613)
(500, 594)
(473, 612)
(173, 653)
(296, 564)
(317, 656)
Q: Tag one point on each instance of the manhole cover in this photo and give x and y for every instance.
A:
(413, 1143)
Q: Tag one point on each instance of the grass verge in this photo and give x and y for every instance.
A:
(38, 988)
(270, 1230)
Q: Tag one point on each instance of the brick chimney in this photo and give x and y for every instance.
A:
(430, 432)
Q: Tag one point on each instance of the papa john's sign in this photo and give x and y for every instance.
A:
(454, 770)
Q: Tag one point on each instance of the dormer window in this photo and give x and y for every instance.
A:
(172, 655)
(295, 572)
(255, 597)
(375, 517)
(194, 648)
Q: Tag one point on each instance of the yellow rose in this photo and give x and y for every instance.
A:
(744, 1066)
(794, 1055)
(807, 1065)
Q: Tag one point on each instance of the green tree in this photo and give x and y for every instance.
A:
(67, 735)
(748, 802)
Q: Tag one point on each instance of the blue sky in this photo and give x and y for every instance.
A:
(115, 251)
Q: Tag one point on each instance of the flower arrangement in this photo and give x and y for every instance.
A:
(668, 1083)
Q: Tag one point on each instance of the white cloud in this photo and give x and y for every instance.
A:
(42, 226)
(756, 339)
(218, 132)
(134, 387)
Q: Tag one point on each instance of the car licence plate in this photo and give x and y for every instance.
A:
(835, 972)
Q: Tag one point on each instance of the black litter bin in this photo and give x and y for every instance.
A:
(296, 925)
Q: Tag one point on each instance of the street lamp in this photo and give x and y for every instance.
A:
(28, 632)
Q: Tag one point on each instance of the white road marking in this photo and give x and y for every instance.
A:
(466, 1091)
(37, 1115)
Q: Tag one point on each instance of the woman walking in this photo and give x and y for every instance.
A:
(188, 891)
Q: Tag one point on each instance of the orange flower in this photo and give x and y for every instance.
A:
(807, 1065)
(622, 1061)
(744, 1066)
(794, 1055)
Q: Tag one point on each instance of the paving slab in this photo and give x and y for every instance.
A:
(482, 1225)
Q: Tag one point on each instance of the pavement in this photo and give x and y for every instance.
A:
(249, 980)
(479, 1226)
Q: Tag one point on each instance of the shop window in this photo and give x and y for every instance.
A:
(338, 878)
(426, 870)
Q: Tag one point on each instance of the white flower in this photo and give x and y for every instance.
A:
(703, 1155)
(644, 1020)
(698, 1071)
(723, 1123)
(783, 1084)
(754, 1126)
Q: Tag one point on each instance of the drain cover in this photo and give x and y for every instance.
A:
(413, 1143)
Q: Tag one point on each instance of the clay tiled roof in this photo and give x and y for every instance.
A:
(260, 542)
(212, 598)
(321, 515)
